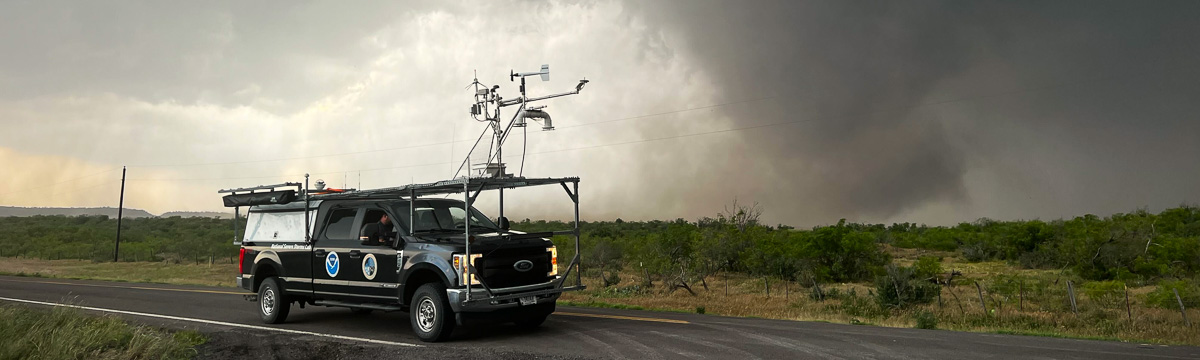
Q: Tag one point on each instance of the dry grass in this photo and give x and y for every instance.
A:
(143, 272)
(1039, 307)
(64, 333)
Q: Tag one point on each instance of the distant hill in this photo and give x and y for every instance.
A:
(107, 211)
(203, 214)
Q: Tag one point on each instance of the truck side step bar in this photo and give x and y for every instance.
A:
(358, 305)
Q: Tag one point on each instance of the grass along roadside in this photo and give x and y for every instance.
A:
(140, 272)
(854, 304)
(65, 333)
(1036, 307)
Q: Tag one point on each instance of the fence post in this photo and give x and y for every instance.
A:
(1021, 296)
(726, 283)
(786, 292)
(1182, 310)
(1071, 293)
(767, 282)
(981, 302)
(1128, 310)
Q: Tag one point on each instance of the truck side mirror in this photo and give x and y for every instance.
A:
(504, 225)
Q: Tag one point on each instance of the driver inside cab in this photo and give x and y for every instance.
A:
(378, 234)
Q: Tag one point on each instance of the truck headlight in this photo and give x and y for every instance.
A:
(553, 260)
(460, 265)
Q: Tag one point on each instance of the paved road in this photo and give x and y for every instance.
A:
(572, 332)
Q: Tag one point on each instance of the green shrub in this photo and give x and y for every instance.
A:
(980, 251)
(700, 310)
(1037, 260)
(1164, 295)
(861, 306)
(1109, 294)
(932, 238)
(926, 320)
(927, 267)
(900, 288)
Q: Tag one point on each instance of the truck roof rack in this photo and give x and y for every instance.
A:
(260, 195)
(443, 187)
(260, 187)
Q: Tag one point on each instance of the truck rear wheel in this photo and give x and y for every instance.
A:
(273, 305)
(430, 313)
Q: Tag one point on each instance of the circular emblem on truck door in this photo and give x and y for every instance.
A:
(523, 265)
(332, 264)
(370, 266)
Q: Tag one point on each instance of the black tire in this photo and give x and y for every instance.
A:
(534, 317)
(273, 304)
(430, 314)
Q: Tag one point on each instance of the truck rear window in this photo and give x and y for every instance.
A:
(341, 224)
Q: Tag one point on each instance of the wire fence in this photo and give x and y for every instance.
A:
(132, 255)
(1013, 296)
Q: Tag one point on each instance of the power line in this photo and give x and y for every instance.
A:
(999, 94)
(902, 108)
(58, 183)
(443, 143)
(62, 192)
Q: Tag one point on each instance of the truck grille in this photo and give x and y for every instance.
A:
(498, 270)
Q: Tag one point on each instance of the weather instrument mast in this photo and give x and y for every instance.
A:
(488, 103)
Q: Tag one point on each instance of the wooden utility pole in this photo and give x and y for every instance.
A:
(120, 211)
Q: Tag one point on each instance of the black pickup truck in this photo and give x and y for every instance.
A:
(441, 260)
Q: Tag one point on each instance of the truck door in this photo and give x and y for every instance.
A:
(334, 248)
(377, 279)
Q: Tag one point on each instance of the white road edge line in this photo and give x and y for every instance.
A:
(213, 322)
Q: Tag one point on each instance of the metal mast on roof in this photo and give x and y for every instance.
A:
(488, 103)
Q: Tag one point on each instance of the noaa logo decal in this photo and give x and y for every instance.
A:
(332, 264)
(370, 266)
(523, 265)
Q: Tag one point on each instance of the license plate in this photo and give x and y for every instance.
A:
(528, 300)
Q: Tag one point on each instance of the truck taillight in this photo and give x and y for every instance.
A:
(553, 260)
(241, 260)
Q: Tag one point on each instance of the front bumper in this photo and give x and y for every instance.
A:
(505, 298)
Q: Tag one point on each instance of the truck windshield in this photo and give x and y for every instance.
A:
(443, 215)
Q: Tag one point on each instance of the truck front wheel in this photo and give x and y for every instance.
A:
(273, 305)
(430, 313)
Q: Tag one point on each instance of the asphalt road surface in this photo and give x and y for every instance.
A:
(328, 333)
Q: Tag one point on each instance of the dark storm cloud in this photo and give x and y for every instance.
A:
(899, 101)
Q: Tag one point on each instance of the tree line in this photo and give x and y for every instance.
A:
(94, 237)
(1139, 246)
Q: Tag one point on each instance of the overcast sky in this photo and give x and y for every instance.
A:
(876, 111)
